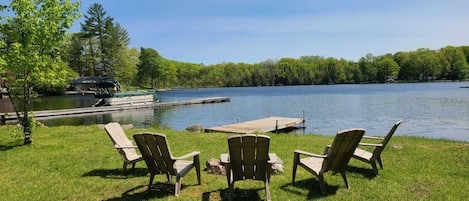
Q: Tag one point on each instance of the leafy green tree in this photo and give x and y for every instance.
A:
(169, 75)
(341, 69)
(284, 71)
(386, 68)
(465, 50)
(245, 73)
(317, 68)
(127, 61)
(271, 71)
(458, 66)
(424, 62)
(32, 33)
(354, 73)
(74, 54)
(256, 78)
(187, 74)
(2, 45)
(368, 67)
(150, 66)
(406, 71)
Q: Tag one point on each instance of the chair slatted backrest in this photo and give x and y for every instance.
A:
(119, 138)
(387, 138)
(342, 148)
(155, 150)
(248, 156)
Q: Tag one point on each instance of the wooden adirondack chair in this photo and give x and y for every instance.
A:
(123, 145)
(335, 157)
(248, 158)
(375, 155)
(157, 154)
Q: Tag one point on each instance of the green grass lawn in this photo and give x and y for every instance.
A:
(80, 163)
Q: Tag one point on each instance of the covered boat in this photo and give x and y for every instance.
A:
(109, 93)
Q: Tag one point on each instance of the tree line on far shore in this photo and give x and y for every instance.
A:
(448, 63)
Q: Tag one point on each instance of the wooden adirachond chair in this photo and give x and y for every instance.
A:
(375, 155)
(248, 158)
(157, 154)
(123, 145)
(335, 157)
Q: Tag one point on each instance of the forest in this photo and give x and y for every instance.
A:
(101, 48)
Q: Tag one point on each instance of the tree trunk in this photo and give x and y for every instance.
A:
(27, 129)
(25, 121)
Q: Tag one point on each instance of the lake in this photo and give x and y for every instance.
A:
(433, 110)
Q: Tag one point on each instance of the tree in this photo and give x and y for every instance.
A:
(407, 70)
(341, 67)
(116, 43)
(269, 68)
(387, 68)
(94, 27)
(127, 72)
(169, 73)
(187, 74)
(455, 58)
(368, 67)
(150, 66)
(2, 45)
(73, 53)
(107, 41)
(32, 33)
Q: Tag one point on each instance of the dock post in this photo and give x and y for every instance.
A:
(276, 126)
(303, 123)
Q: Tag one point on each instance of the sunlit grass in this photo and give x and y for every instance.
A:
(80, 163)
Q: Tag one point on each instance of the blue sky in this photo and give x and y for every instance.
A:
(252, 31)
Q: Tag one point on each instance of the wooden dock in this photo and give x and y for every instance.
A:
(269, 124)
(45, 114)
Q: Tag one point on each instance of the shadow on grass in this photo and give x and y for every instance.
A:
(366, 172)
(117, 173)
(309, 184)
(158, 190)
(238, 194)
(10, 145)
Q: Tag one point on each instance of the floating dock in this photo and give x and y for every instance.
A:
(269, 124)
(45, 114)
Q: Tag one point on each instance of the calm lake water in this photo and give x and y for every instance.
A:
(434, 110)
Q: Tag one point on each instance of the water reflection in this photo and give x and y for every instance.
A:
(64, 102)
(141, 118)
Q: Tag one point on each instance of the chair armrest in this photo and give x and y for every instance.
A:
(224, 158)
(272, 158)
(373, 138)
(370, 145)
(310, 154)
(326, 149)
(192, 154)
(125, 147)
